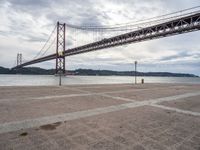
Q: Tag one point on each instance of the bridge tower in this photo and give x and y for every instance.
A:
(60, 49)
(19, 59)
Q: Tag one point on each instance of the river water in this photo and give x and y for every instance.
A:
(21, 80)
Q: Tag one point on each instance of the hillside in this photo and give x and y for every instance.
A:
(90, 72)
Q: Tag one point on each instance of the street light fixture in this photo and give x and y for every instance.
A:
(135, 72)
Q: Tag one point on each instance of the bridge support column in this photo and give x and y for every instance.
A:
(19, 59)
(60, 49)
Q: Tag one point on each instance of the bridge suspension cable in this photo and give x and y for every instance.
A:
(43, 51)
(139, 23)
(82, 39)
(50, 45)
(79, 35)
(47, 45)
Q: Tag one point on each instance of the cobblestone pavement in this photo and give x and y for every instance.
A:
(102, 117)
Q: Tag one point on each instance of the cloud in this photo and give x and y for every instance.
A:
(26, 24)
(183, 54)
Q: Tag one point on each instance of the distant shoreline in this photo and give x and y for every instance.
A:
(90, 72)
(102, 75)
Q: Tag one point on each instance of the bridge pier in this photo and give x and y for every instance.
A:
(19, 59)
(60, 49)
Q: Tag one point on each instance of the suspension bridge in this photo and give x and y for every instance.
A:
(103, 37)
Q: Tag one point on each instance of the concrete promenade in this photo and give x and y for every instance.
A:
(102, 117)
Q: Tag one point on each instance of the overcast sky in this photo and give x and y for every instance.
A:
(26, 24)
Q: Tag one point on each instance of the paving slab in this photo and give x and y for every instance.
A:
(121, 87)
(106, 117)
(189, 103)
(154, 92)
(34, 108)
(142, 127)
(28, 91)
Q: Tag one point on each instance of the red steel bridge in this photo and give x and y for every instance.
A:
(157, 28)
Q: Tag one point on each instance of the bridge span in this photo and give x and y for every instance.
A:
(180, 25)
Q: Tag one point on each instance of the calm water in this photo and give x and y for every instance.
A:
(20, 80)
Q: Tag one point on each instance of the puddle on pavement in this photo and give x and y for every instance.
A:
(24, 134)
(50, 126)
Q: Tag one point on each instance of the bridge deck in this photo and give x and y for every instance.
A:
(181, 25)
(125, 116)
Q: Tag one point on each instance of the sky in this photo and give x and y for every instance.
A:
(26, 24)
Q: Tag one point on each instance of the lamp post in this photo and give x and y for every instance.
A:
(60, 78)
(135, 72)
